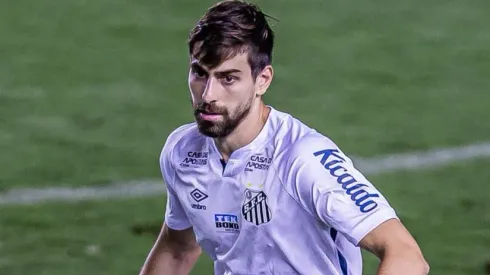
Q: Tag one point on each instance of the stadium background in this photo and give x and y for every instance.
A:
(89, 90)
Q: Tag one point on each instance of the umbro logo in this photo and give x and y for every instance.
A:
(198, 196)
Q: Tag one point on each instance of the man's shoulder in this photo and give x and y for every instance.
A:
(183, 132)
(296, 137)
(310, 147)
(181, 137)
(310, 144)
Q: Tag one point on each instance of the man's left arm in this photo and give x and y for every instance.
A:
(326, 183)
(396, 248)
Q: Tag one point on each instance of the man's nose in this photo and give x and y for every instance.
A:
(211, 90)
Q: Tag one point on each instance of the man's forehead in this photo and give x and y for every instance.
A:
(237, 62)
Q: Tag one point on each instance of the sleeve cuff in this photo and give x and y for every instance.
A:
(371, 223)
(175, 225)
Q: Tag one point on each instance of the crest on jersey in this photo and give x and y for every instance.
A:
(255, 208)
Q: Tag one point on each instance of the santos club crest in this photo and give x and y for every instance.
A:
(255, 208)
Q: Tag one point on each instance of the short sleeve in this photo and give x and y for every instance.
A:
(175, 216)
(326, 183)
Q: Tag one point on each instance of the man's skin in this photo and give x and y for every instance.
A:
(176, 251)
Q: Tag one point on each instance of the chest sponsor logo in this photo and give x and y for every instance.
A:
(226, 223)
(358, 192)
(255, 208)
(258, 162)
(198, 197)
(195, 159)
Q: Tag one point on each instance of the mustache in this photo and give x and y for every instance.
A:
(208, 109)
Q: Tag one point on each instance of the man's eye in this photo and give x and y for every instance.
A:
(200, 73)
(229, 79)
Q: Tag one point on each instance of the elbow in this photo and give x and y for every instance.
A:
(418, 263)
(406, 262)
(423, 267)
(426, 267)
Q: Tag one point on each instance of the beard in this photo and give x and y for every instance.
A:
(229, 122)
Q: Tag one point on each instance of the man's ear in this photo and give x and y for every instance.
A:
(263, 80)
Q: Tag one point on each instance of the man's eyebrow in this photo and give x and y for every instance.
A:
(196, 66)
(230, 71)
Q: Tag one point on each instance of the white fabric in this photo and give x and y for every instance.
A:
(290, 202)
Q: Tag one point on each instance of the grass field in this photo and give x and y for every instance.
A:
(89, 90)
(444, 209)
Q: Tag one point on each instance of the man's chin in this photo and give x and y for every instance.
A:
(209, 132)
(208, 128)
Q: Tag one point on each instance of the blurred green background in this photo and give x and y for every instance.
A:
(89, 91)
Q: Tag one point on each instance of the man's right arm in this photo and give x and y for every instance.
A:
(176, 249)
(175, 252)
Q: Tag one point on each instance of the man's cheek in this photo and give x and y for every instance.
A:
(196, 91)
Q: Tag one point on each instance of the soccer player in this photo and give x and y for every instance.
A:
(255, 188)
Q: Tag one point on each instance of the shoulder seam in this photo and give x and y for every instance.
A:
(171, 162)
(173, 144)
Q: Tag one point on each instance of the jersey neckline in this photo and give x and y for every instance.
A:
(244, 151)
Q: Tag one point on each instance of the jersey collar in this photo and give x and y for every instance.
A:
(257, 142)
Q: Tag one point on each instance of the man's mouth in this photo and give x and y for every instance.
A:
(209, 116)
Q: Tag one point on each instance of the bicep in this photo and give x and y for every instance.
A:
(389, 236)
(177, 240)
(396, 248)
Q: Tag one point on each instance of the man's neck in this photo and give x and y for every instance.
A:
(245, 132)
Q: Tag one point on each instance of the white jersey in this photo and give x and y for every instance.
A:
(290, 202)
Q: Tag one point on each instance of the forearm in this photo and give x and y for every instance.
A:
(165, 262)
(403, 264)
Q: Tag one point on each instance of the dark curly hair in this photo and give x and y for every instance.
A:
(229, 28)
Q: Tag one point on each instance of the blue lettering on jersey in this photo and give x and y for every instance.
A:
(258, 162)
(351, 186)
(195, 158)
(226, 222)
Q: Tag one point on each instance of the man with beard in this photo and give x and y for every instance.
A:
(256, 189)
